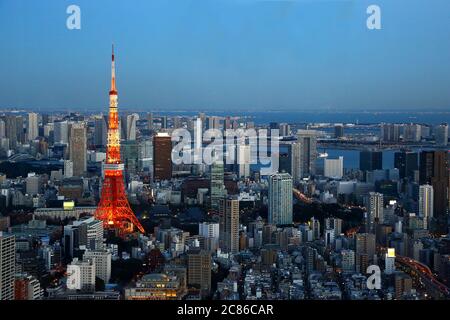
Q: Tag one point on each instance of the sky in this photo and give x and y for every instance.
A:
(226, 55)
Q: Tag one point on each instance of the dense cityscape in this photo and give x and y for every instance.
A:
(94, 206)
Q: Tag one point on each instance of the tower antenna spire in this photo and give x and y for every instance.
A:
(113, 73)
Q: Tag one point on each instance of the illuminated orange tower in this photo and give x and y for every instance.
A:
(113, 208)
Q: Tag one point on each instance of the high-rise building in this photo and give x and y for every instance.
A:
(280, 199)
(11, 130)
(229, 225)
(426, 206)
(27, 287)
(81, 275)
(375, 205)
(390, 132)
(290, 159)
(334, 168)
(364, 250)
(338, 131)
(308, 153)
(434, 170)
(61, 132)
(7, 266)
(101, 131)
(102, 262)
(129, 153)
(162, 156)
(129, 126)
(199, 270)
(406, 163)
(32, 126)
(164, 122)
(150, 121)
(285, 129)
(348, 260)
(389, 261)
(441, 134)
(370, 160)
(412, 132)
(217, 186)
(244, 160)
(334, 223)
(78, 148)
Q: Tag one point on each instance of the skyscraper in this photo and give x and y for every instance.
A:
(217, 186)
(129, 126)
(308, 153)
(375, 205)
(7, 266)
(61, 132)
(11, 130)
(162, 156)
(229, 225)
(426, 207)
(78, 148)
(150, 121)
(434, 171)
(390, 132)
(406, 163)
(101, 131)
(280, 199)
(441, 134)
(290, 159)
(32, 126)
(244, 159)
(338, 131)
(370, 160)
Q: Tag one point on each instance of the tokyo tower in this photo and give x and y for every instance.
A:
(113, 208)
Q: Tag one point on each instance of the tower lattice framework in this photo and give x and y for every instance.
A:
(113, 208)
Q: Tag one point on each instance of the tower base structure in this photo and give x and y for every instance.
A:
(113, 208)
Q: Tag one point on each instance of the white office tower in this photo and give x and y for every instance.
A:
(209, 230)
(81, 275)
(244, 160)
(61, 132)
(102, 262)
(129, 126)
(348, 260)
(32, 126)
(375, 205)
(280, 199)
(441, 134)
(389, 261)
(426, 206)
(7, 266)
(334, 168)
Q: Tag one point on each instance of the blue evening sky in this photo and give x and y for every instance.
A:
(226, 55)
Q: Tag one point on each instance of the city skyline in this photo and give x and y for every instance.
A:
(211, 55)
